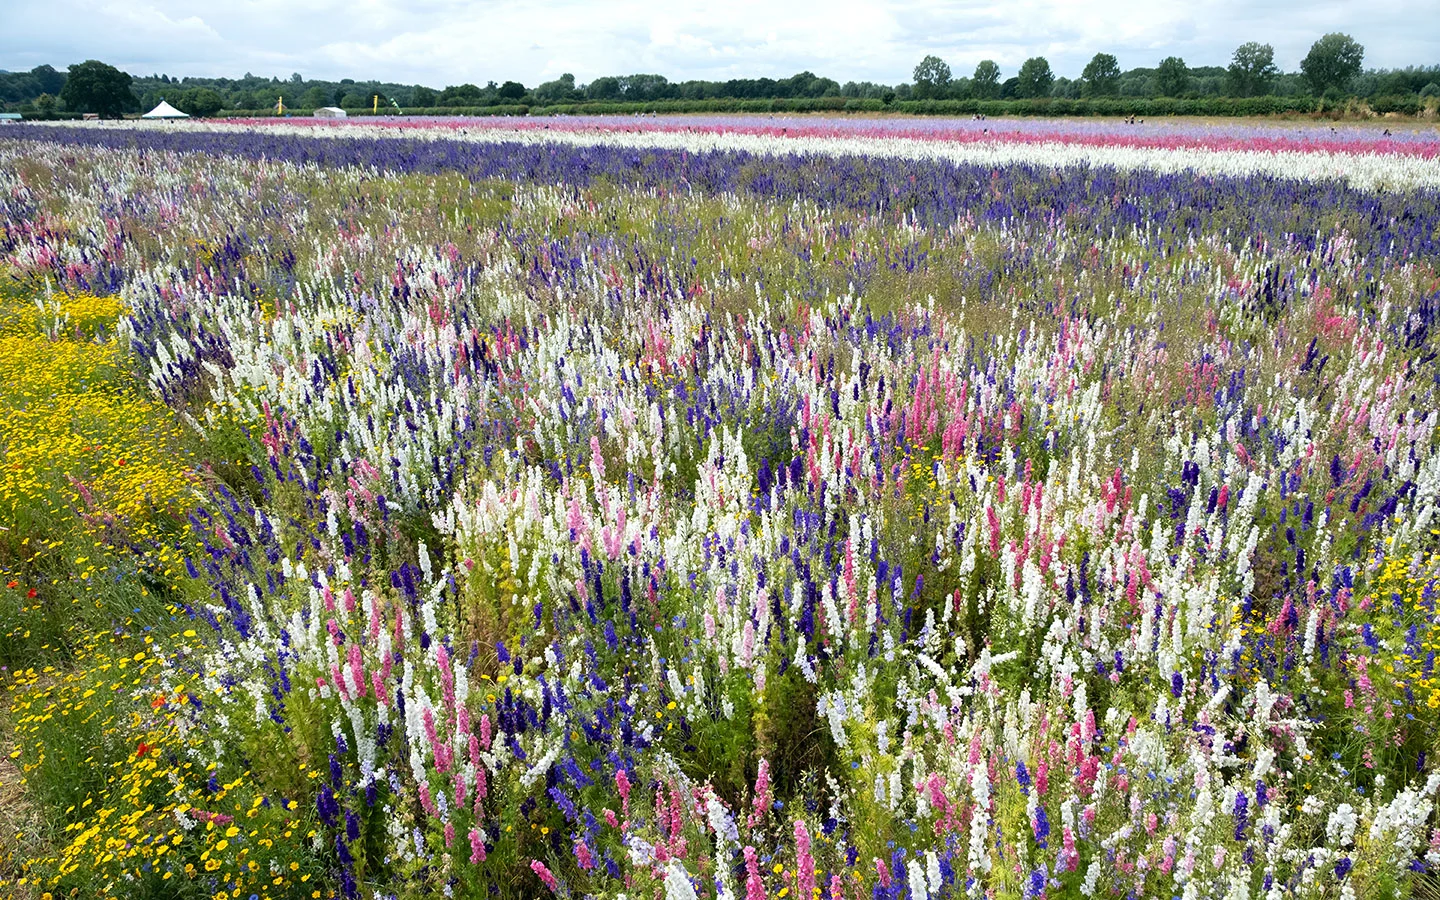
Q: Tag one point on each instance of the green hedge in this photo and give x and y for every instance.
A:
(1128, 106)
(1117, 107)
(365, 112)
(1407, 106)
(36, 115)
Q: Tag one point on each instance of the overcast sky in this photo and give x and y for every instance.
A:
(441, 42)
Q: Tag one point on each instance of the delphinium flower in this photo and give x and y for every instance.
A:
(804, 861)
(965, 535)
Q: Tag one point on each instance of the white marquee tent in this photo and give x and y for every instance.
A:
(330, 112)
(165, 111)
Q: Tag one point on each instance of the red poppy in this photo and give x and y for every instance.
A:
(30, 594)
(143, 750)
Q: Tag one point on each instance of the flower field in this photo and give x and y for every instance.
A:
(689, 508)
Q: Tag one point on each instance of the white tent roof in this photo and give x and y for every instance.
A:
(331, 112)
(165, 111)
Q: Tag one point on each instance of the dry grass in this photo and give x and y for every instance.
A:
(21, 824)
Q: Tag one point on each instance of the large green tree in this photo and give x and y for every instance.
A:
(986, 82)
(94, 87)
(1332, 62)
(47, 79)
(1172, 77)
(604, 88)
(199, 102)
(561, 90)
(1252, 68)
(932, 78)
(315, 97)
(460, 95)
(1035, 78)
(1102, 76)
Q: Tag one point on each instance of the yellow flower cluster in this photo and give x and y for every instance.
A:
(145, 818)
(81, 451)
(1406, 608)
(87, 464)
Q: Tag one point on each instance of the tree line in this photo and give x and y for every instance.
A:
(1333, 69)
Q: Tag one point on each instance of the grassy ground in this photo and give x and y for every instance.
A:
(93, 479)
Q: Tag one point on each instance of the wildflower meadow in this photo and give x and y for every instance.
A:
(677, 508)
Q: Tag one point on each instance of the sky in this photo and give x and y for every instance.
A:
(442, 42)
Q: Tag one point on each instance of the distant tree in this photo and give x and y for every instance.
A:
(1066, 89)
(1010, 88)
(46, 104)
(643, 86)
(807, 84)
(1102, 76)
(1333, 61)
(47, 80)
(605, 88)
(203, 102)
(867, 90)
(460, 95)
(932, 78)
(1430, 90)
(985, 84)
(267, 97)
(315, 97)
(355, 100)
(1252, 68)
(1394, 83)
(96, 87)
(560, 90)
(511, 90)
(1172, 78)
(297, 78)
(1035, 78)
(423, 96)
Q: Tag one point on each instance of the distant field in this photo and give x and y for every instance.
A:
(721, 506)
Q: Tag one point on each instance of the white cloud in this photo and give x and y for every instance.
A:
(440, 42)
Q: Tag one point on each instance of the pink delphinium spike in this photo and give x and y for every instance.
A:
(762, 801)
(883, 872)
(539, 869)
(622, 784)
(374, 624)
(339, 682)
(447, 675)
(583, 856)
(477, 847)
(357, 670)
(754, 884)
(804, 863)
